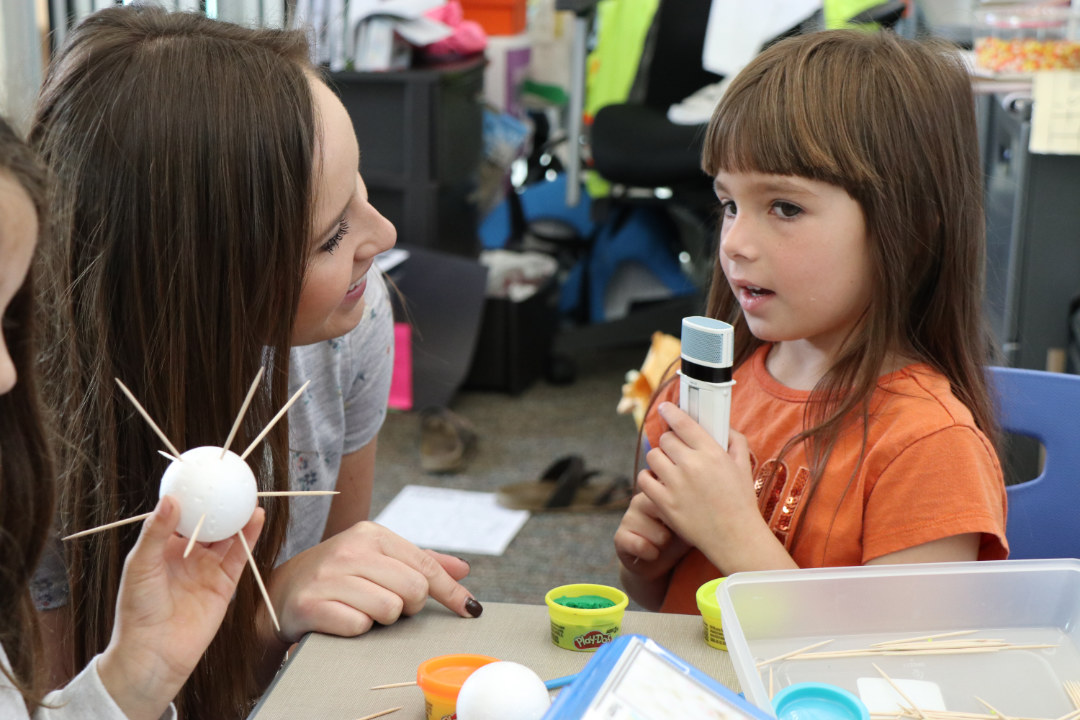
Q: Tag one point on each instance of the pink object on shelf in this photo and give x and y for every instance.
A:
(401, 389)
(469, 37)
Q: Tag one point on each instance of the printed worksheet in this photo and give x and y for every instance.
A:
(1055, 113)
(452, 520)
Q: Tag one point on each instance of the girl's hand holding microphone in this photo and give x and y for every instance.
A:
(702, 492)
(645, 546)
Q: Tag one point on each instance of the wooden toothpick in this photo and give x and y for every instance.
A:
(259, 580)
(993, 709)
(786, 655)
(1072, 689)
(293, 493)
(900, 692)
(194, 534)
(394, 685)
(243, 409)
(924, 638)
(170, 456)
(146, 416)
(108, 526)
(274, 420)
(372, 716)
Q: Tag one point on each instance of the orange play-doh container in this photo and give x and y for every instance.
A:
(440, 678)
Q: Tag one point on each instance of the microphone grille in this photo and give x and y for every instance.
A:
(707, 341)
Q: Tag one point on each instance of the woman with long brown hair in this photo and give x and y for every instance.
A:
(850, 265)
(211, 220)
(169, 603)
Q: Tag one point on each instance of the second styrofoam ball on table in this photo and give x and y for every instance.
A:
(503, 691)
(222, 488)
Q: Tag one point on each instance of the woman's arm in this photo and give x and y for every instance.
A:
(356, 480)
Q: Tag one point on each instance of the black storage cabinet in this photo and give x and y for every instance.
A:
(420, 134)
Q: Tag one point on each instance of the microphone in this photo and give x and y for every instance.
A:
(705, 375)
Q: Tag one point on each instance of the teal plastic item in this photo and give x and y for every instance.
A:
(818, 701)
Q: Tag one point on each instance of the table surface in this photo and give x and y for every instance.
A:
(331, 677)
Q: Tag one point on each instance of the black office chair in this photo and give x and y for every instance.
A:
(634, 145)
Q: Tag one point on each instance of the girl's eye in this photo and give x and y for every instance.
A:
(728, 209)
(786, 210)
(332, 244)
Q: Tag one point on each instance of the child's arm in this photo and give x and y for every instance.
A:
(706, 495)
(648, 551)
(167, 611)
(957, 548)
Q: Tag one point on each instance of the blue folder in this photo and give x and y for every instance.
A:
(635, 678)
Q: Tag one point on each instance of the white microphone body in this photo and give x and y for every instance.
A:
(705, 375)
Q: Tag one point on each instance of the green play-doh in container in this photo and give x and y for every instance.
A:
(588, 626)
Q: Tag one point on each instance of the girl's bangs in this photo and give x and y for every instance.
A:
(777, 121)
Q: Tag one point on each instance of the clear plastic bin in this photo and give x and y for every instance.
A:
(1019, 40)
(1023, 602)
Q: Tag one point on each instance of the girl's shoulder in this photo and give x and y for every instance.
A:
(916, 406)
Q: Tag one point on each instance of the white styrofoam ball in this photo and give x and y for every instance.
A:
(503, 691)
(223, 488)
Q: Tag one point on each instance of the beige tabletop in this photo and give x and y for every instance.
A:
(330, 678)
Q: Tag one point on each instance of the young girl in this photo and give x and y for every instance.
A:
(168, 606)
(851, 265)
(211, 220)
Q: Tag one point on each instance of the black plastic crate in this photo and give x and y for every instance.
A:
(515, 341)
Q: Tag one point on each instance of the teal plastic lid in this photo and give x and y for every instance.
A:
(818, 701)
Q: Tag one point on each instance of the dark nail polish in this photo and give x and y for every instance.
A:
(467, 563)
(473, 608)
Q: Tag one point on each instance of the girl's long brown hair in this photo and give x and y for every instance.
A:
(892, 122)
(183, 154)
(26, 478)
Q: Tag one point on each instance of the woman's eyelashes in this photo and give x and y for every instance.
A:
(332, 244)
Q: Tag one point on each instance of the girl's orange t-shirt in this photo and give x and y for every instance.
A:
(928, 473)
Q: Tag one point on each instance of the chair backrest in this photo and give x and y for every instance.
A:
(674, 68)
(1045, 406)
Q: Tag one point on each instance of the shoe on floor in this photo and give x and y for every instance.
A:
(568, 487)
(446, 440)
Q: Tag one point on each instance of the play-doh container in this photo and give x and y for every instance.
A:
(709, 607)
(585, 616)
(818, 701)
(440, 678)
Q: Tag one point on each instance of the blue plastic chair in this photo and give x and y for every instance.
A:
(1042, 520)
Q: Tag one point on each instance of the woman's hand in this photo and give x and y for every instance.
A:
(363, 575)
(706, 495)
(168, 610)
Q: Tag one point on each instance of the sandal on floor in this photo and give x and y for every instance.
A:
(446, 440)
(567, 486)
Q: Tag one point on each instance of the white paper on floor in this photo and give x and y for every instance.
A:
(452, 520)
